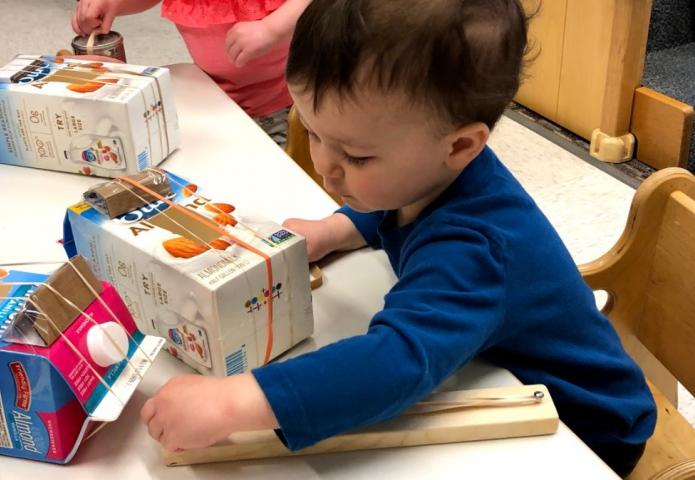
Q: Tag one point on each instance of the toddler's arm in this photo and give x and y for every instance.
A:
(336, 233)
(446, 306)
(99, 15)
(214, 407)
(248, 40)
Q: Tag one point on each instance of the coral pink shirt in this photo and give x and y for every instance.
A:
(259, 87)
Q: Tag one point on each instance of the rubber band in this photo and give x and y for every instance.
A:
(238, 241)
(135, 369)
(63, 74)
(222, 254)
(111, 313)
(72, 346)
(219, 210)
(286, 279)
(89, 318)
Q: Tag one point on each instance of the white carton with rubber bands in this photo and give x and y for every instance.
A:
(71, 358)
(228, 290)
(94, 118)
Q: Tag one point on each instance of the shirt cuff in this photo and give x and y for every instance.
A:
(295, 431)
(366, 223)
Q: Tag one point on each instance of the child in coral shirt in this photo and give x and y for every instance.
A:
(242, 45)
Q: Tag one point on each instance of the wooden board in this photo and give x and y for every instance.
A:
(663, 127)
(627, 51)
(585, 57)
(410, 429)
(541, 82)
(667, 325)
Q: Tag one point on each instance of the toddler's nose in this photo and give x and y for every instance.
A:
(326, 164)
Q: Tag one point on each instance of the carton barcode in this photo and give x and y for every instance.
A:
(143, 160)
(236, 362)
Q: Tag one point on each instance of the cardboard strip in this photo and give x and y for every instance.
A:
(116, 198)
(506, 420)
(68, 284)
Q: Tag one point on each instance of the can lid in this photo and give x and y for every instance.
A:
(102, 40)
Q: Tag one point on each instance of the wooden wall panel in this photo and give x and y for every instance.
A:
(585, 57)
(539, 91)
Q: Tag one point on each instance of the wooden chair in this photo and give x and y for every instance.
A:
(297, 148)
(649, 276)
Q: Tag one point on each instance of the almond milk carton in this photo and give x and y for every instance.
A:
(62, 378)
(104, 119)
(208, 291)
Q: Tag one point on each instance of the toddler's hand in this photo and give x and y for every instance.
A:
(248, 40)
(318, 236)
(192, 411)
(93, 15)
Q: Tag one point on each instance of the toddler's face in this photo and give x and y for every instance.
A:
(375, 150)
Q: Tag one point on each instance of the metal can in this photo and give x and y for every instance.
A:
(105, 44)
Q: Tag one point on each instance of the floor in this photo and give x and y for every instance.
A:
(559, 180)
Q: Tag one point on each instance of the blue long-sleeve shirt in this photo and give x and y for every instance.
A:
(480, 272)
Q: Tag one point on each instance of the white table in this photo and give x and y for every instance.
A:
(223, 150)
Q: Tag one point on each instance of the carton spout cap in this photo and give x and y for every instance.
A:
(107, 343)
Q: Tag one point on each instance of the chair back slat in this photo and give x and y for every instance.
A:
(667, 324)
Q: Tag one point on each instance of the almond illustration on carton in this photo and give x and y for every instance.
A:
(219, 207)
(181, 247)
(219, 244)
(224, 219)
(190, 189)
(88, 87)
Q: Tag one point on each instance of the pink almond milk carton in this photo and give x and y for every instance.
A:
(70, 357)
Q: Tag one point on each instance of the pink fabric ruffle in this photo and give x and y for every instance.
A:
(201, 13)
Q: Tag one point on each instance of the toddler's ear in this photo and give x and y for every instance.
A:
(465, 143)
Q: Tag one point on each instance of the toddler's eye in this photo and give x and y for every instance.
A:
(357, 161)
